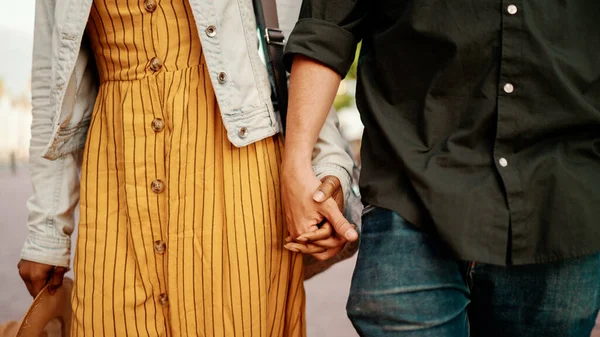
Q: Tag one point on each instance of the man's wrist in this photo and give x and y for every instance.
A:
(297, 164)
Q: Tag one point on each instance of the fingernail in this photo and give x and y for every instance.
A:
(319, 196)
(301, 239)
(351, 235)
(288, 239)
(291, 248)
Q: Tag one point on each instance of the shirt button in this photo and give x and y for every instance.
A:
(158, 125)
(512, 9)
(163, 299)
(155, 64)
(157, 186)
(160, 246)
(150, 5)
(509, 88)
(243, 132)
(222, 77)
(503, 162)
(211, 31)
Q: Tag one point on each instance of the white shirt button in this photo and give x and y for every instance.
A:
(512, 9)
(509, 88)
(503, 162)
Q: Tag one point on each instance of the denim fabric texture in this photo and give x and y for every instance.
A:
(406, 284)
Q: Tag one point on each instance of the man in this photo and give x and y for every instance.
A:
(481, 160)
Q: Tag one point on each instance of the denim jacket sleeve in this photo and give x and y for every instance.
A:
(331, 155)
(55, 183)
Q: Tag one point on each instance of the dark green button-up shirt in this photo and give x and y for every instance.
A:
(482, 117)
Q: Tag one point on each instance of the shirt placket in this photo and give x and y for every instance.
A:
(508, 113)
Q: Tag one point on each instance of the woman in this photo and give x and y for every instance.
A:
(181, 230)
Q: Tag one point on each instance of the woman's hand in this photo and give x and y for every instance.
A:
(37, 275)
(327, 240)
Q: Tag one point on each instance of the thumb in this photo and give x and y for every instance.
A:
(341, 226)
(56, 279)
(329, 184)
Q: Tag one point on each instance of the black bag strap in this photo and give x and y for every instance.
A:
(273, 40)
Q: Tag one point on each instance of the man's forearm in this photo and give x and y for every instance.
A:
(312, 90)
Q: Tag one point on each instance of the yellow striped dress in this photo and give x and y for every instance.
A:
(181, 234)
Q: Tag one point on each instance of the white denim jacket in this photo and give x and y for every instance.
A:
(64, 92)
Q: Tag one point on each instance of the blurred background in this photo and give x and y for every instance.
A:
(326, 293)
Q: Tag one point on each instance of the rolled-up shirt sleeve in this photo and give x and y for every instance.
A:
(328, 32)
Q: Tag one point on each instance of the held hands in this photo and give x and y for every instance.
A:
(313, 214)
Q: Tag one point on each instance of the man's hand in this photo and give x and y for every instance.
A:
(324, 242)
(300, 211)
(37, 275)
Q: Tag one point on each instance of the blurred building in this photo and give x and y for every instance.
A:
(351, 125)
(15, 114)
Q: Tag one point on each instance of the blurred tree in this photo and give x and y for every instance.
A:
(344, 98)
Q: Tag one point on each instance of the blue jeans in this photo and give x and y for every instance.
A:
(406, 284)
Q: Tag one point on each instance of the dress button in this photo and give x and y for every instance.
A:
(222, 77)
(158, 125)
(211, 31)
(163, 299)
(503, 162)
(160, 246)
(512, 9)
(509, 88)
(150, 5)
(243, 132)
(155, 64)
(157, 186)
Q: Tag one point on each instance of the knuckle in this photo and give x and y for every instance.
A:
(331, 184)
(329, 206)
(322, 257)
(318, 249)
(24, 274)
(335, 244)
(340, 223)
(39, 275)
(58, 277)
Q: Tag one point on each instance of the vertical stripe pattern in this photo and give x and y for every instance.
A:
(181, 233)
